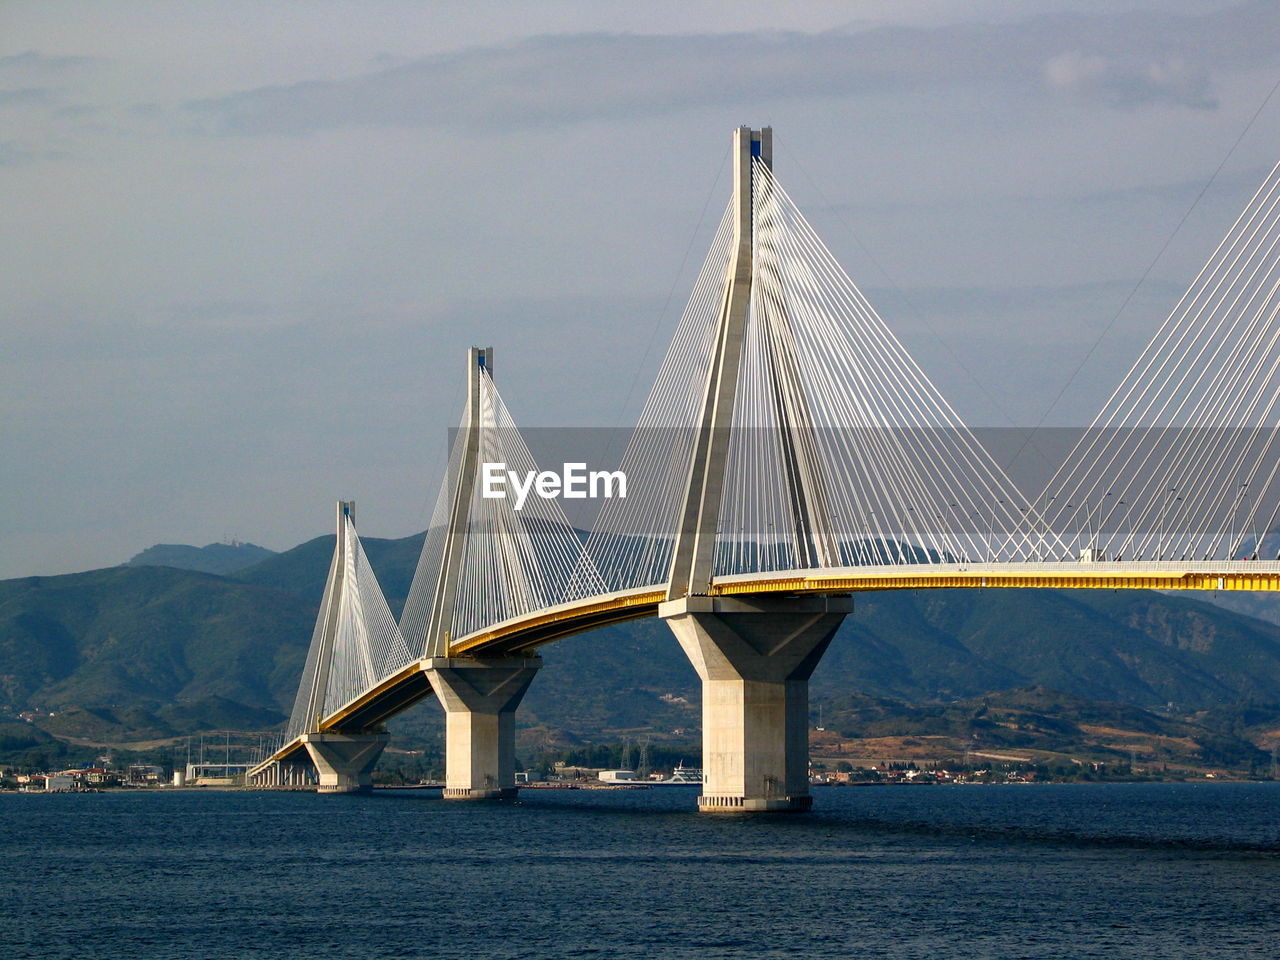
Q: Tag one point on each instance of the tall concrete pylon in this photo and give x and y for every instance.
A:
(320, 656)
(693, 554)
(479, 696)
(754, 655)
(344, 761)
(440, 626)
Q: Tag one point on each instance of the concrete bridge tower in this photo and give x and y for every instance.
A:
(479, 695)
(754, 655)
(344, 761)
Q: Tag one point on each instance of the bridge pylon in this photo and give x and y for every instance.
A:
(754, 655)
(479, 695)
(344, 761)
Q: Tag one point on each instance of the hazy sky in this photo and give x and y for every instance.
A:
(246, 245)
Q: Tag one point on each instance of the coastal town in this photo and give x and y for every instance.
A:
(988, 770)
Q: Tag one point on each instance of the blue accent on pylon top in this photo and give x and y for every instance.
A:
(755, 147)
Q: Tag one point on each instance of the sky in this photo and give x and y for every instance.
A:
(245, 247)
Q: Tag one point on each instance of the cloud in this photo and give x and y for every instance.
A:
(26, 96)
(32, 63)
(14, 153)
(1116, 60)
(35, 80)
(1092, 76)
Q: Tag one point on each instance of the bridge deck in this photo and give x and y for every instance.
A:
(521, 634)
(1064, 575)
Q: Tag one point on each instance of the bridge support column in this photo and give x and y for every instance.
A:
(268, 776)
(755, 658)
(480, 698)
(345, 761)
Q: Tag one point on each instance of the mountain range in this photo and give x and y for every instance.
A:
(143, 652)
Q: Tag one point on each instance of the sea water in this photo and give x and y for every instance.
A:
(1061, 871)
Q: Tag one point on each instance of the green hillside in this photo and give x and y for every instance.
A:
(1128, 646)
(141, 653)
(161, 650)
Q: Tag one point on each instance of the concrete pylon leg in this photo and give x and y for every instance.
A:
(480, 698)
(345, 761)
(755, 658)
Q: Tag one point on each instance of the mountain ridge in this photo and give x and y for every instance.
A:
(156, 650)
(221, 558)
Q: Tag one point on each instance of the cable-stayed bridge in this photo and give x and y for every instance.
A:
(790, 455)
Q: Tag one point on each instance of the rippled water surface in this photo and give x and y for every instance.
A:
(1134, 871)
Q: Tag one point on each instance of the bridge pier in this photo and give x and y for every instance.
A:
(755, 657)
(345, 761)
(271, 775)
(278, 774)
(480, 698)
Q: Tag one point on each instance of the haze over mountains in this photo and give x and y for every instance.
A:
(143, 652)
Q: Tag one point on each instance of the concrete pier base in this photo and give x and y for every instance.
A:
(755, 658)
(345, 761)
(480, 698)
